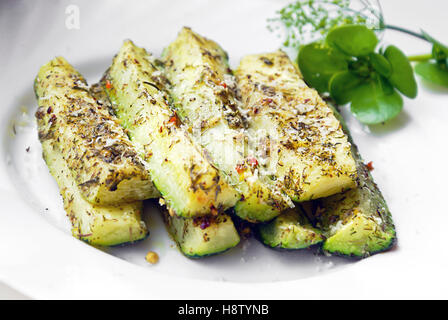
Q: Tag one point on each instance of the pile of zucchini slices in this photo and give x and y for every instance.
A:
(216, 147)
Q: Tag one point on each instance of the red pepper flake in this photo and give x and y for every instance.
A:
(213, 210)
(307, 100)
(175, 120)
(370, 166)
(108, 84)
(223, 84)
(253, 162)
(49, 110)
(267, 100)
(239, 168)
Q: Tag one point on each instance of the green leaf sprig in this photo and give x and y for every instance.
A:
(433, 67)
(354, 71)
(348, 67)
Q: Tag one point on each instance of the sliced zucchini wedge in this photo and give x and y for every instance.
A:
(358, 222)
(98, 152)
(203, 90)
(188, 182)
(95, 224)
(291, 231)
(202, 236)
(309, 153)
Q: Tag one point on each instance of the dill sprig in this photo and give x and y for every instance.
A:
(305, 21)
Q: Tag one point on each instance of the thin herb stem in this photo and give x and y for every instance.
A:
(412, 33)
(420, 58)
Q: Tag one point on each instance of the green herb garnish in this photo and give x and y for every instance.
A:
(433, 67)
(347, 67)
(337, 42)
(310, 20)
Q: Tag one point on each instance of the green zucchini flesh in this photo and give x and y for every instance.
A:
(202, 236)
(291, 230)
(188, 182)
(309, 153)
(98, 152)
(356, 223)
(98, 225)
(204, 93)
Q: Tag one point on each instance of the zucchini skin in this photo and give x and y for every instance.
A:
(97, 150)
(97, 225)
(289, 231)
(203, 236)
(204, 93)
(357, 223)
(310, 153)
(187, 181)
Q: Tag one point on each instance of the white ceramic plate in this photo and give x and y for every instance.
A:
(38, 256)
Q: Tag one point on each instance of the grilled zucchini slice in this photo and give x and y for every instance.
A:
(204, 94)
(190, 185)
(355, 223)
(309, 150)
(202, 236)
(98, 152)
(358, 222)
(95, 224)
(291, 231)
(191, 245)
